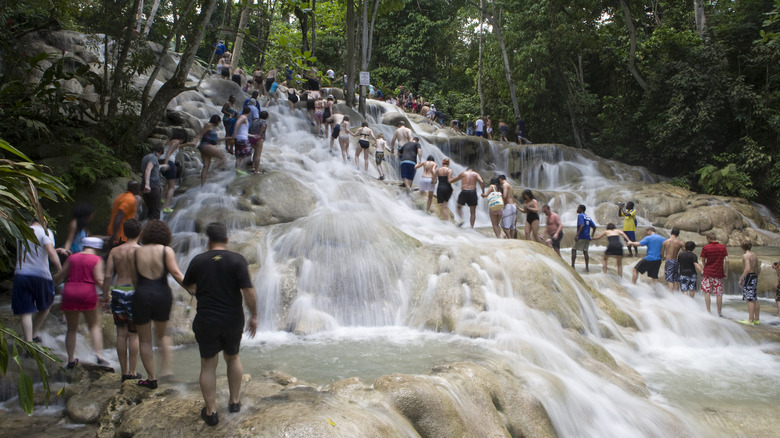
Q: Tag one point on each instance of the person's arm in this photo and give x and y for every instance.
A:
(481, 183)
(71, 235)
(455, 179)
(592, 229)
(664, 248)
(560, 227)
(726, 267)
(109, 276)
(63, 274)
(624, 236)
(115, 226)
(99, 273)
(419, 153)
(533, 207)
(147, 175)
(241, 120)
(418, 165)
(54, 259)
(601, 234)
(579, 229)
(746, 264)
(173, 267)
(250, 297)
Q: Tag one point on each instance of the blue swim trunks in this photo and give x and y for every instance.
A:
(407, 170)
(122, 306)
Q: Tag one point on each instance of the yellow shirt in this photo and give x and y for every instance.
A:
(629, 223)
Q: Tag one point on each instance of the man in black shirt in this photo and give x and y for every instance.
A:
(219, 279)
(411, 153)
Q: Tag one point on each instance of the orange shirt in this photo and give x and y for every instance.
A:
(126, 204)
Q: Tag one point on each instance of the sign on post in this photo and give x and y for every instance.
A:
(365, 78)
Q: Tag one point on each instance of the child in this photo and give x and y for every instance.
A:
(749, 282)
(689, 264)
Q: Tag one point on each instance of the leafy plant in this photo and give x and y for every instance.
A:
(726, 181)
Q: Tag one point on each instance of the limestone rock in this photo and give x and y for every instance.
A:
(272, 198)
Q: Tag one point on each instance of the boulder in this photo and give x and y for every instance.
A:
(272, 198)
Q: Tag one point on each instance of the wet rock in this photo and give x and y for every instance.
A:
(273, 198)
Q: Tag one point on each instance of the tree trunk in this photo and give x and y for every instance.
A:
(150, 20)
(479, 63)
(701, 20)
(119, 64)
(264, 39)
(632, 46)
(349, 86)
(152, 114)
(239, 44)
(139, 12)
(507, 70)
(158, 66)
(313, 28)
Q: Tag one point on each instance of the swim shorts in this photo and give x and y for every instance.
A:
(427, 185)
(688, 283)
(180, 134)
(582, 245)
(672, 271)
(170, 173)
(556, 243)
(336, 130)
(407, 170)
(122, 306)
(213, 338)
(631, 235)
(509, 217)
(711, 285)
(468, 197)
(749, 286)
(243, 148)
(151, 306)
(379, 157)
(31, 294)
(649, 266)
(777, 293)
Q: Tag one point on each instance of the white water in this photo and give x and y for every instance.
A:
(361, 282)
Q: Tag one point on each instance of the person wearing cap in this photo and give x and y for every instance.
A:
(85, 273)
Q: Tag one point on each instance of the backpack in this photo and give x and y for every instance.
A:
(495, 201)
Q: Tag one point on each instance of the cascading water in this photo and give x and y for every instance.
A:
(366, 284)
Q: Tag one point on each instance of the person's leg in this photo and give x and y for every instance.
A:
(494, 221)
(751, 306)
(619, 265)
(121, 349)
(604, 264)
(757, 311)
(527, 230)
(459, 211)
(473, 210)
(535, 230)
(145, 348)
(707, 301)
(234, 373)
(587, 260)
(206, 164)
(95, 331)
(164, 346)
(37, 322)
(719, 301)
(634, 275)
(208, 382)
(428, 206)
(72, 318)
(171, 187)
(132, 362)
(573, 257)
(365, 159)
(27, 326)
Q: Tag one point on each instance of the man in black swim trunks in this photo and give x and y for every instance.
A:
(468, 194)
(219, 278)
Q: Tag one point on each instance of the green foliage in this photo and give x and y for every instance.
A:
(22, 185)
(726, 181)
(91, 160)
(17, 347)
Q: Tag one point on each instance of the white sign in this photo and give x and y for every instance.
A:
(365, 78)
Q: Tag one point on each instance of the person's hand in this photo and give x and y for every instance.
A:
(147, 189)
(251, 327)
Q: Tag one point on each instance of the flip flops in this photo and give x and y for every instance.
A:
(151, 384)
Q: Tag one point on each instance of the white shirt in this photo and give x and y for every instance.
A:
(330, 73)
(479, 125)
(36, 262)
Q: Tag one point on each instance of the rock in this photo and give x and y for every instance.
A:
(272, 198)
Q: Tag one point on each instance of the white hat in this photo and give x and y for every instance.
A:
(92, 242)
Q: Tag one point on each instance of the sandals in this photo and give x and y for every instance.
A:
(131, 376)
(100, 361)
(234, 407)
(151, 384)
(72, 365)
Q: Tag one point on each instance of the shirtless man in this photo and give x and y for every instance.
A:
(402, 135)
(554, 229)
(270, 78)
(120, 262)
(669, 251)
(509, 217)
(749, 282)
(468, 194)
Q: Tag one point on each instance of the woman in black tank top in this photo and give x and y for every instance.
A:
(153, 298)
(444, 188)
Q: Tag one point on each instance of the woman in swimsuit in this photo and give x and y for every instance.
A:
(362, 134)
(319, 107)
(614, 247)
(427, 180)
(153, 298)
(327, 114)
(84, 271)
(207, 140)
(344, 138)
(292, 98)
(444, 188)
(495, 215)
(260, 136)
(531, 210)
